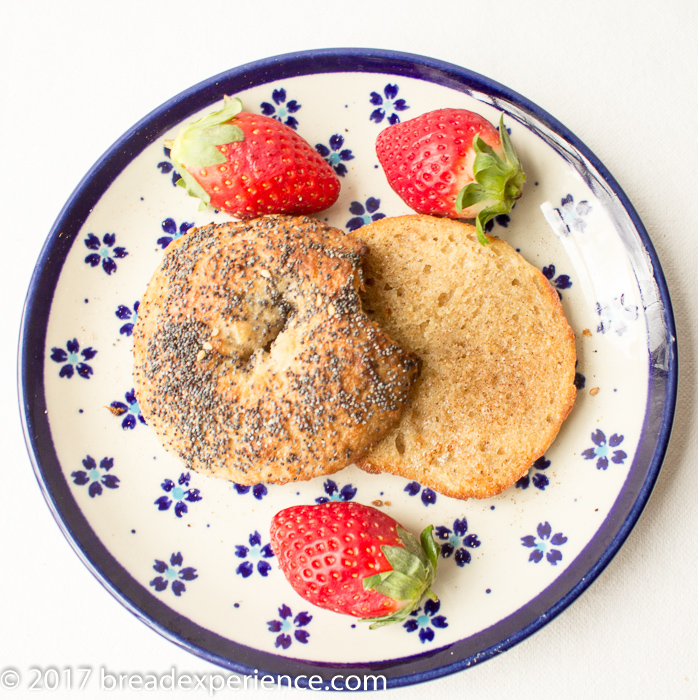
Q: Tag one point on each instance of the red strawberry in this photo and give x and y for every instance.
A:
(354, 559)
(453, 163)
(249, 165)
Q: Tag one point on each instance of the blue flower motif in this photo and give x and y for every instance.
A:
(71, 360)
(253, 553)
(179, 492)
(96, 476)
(259, 491)
(172, 231)
(364, 214)
(334, 493)
(501, 219)
(535, 475)
(602, 449)
(425, 619)
(573, 214)
(541, 545)
(105, 253)
(288, 629)
(166, 167)
(173, 573)
(335, 155)
(616, 315)
(456, 541)
(427, 495)
(559, 282)
(130, 408)
(283, 110)
(128, 314)
(387, 106)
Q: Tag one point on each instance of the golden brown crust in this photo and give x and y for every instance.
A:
(498, 356)
(253, 358)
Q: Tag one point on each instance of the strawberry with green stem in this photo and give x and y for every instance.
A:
(453, 163)
(249, 165)
(354, 559)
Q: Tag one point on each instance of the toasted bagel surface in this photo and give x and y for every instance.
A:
(253, 359)
(498, 356)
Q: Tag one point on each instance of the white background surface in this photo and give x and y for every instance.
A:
(620, 74)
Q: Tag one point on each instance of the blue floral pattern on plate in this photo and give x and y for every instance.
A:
(502, 220)
(258, 491)
(334, 493)
(574, 215)
(254, 554)
(166, 167)
(425, 619)
(172, 231)
(173, 574)
(426, 495)
(387, 105)
(106, 251)
(178, 493)
(544, 543)
(535, 475)
(560, 282)
(128, 314)
(70, 359)
(603, 448)
(289, 628)
(335, 155)
(616, 315)
(96, 476)
(456, 541)
(130, 411)
(282, 110)
(364, 213)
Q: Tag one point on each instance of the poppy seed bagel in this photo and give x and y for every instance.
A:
(253, 359)
(498, 356)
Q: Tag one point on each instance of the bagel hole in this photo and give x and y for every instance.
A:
(266, 331)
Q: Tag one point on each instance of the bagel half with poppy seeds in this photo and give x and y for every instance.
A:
(253, 359)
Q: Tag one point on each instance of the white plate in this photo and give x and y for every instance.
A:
(188, 554)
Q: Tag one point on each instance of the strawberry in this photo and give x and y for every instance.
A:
(354, 559)
(454, 163)
(249, 165)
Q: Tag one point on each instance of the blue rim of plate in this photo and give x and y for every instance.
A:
(659, 415)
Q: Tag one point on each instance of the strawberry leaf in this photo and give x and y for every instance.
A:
(403, 561)
(498, 182)
(410, 580)
(196, 145)
(397, 586)
(232, 106)
(196, 148)
(411, 544)
(429, 545)
(194, 189)
(471, 194)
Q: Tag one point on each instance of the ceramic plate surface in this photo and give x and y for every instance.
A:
(189, 554)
